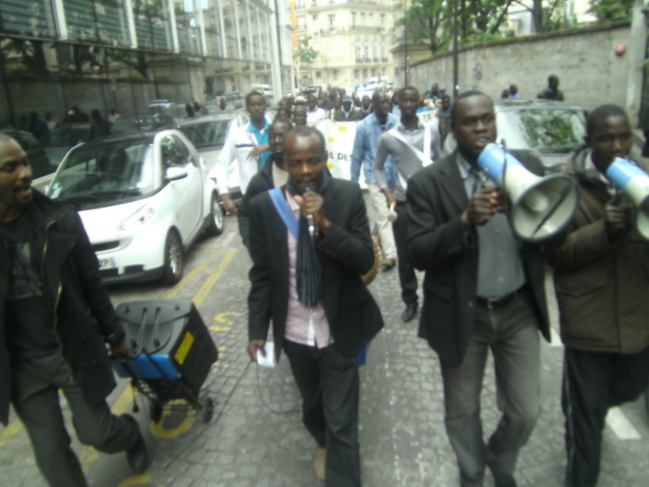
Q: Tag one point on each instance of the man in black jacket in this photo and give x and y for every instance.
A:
(484, 290)
(55, 320)
(308, 283)
(272, 175)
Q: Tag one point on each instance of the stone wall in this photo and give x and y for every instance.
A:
(590, 73)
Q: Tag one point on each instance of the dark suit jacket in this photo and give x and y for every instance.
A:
(438, 244)
(345, 254)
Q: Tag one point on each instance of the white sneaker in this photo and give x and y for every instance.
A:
(320, 463)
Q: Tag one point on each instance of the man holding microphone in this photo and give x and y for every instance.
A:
(310, 243)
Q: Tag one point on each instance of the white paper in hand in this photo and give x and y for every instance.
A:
(269, 359)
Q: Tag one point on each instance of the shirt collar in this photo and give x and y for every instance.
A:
(290, 200)
(463, 165)
(467, 169)
(420, 126)
(591, 168)
(253, 129)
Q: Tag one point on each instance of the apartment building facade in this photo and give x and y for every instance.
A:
(352, 38)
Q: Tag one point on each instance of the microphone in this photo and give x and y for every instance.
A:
(310, 220)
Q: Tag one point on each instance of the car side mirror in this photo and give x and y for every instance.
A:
(175, 173)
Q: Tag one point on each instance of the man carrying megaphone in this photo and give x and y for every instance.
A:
(602, 286)
(483, 289)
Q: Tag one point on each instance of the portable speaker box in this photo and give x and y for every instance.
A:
(168, 340)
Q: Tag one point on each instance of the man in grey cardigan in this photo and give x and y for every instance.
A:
(412, 145)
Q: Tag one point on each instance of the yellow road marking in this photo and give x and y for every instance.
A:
(224, 317)
(219, 328)
(206, 288)
(159, 429)
(9, 432)
(188, 277)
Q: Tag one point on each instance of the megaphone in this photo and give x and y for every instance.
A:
(635, 183)
(541, 206)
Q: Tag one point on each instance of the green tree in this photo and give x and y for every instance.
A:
(546, 14)
(426, 21)
(305, 53)
(611, 10)
(485, 16)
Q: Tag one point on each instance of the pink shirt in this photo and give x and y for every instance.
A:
(306, 326)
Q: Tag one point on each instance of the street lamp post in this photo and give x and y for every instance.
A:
(405, 41)
(455, 51)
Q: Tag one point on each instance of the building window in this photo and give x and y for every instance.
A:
(367, 51)
(315, 18)
(373, 72)
(332, 22)
(364, 74)
(383, 20)
(300, 22)
(359, 53)
(353, 19)
(356, 73)
(335, 75)
(318, 74)
(363, 19)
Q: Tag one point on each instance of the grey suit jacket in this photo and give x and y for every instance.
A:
(438, 244)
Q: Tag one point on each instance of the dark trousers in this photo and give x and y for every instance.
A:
(511, 333)
(407, 276)
(329, 384)
(35, 396)
(592, 383)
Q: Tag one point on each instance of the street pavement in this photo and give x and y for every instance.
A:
(256, 439)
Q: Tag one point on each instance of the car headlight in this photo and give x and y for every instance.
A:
(138, 219)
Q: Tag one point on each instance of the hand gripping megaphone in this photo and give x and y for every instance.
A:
(635, 183)
(540, 206)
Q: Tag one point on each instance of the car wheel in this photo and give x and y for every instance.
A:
(172, 268)
(215, 226)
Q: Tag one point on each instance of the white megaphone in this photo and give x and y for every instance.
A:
(634, 181)
(541, 206)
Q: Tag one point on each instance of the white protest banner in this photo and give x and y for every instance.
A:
(339, 137)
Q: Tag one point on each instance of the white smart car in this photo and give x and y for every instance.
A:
(144, 199)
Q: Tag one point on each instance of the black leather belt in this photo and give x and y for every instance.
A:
(492, 303)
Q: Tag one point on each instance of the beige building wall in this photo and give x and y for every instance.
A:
(353, 40)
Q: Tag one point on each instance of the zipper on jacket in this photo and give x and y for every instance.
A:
(58, 297)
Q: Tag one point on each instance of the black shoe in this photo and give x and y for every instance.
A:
(137, 455)
(409, 313)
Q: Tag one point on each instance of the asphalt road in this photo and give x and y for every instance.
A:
(255, 438)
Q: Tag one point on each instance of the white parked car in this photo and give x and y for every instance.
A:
(143, 198)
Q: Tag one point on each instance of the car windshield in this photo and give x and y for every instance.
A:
(97, 174)
(207, 134)
(554, 129)
(142, 122)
